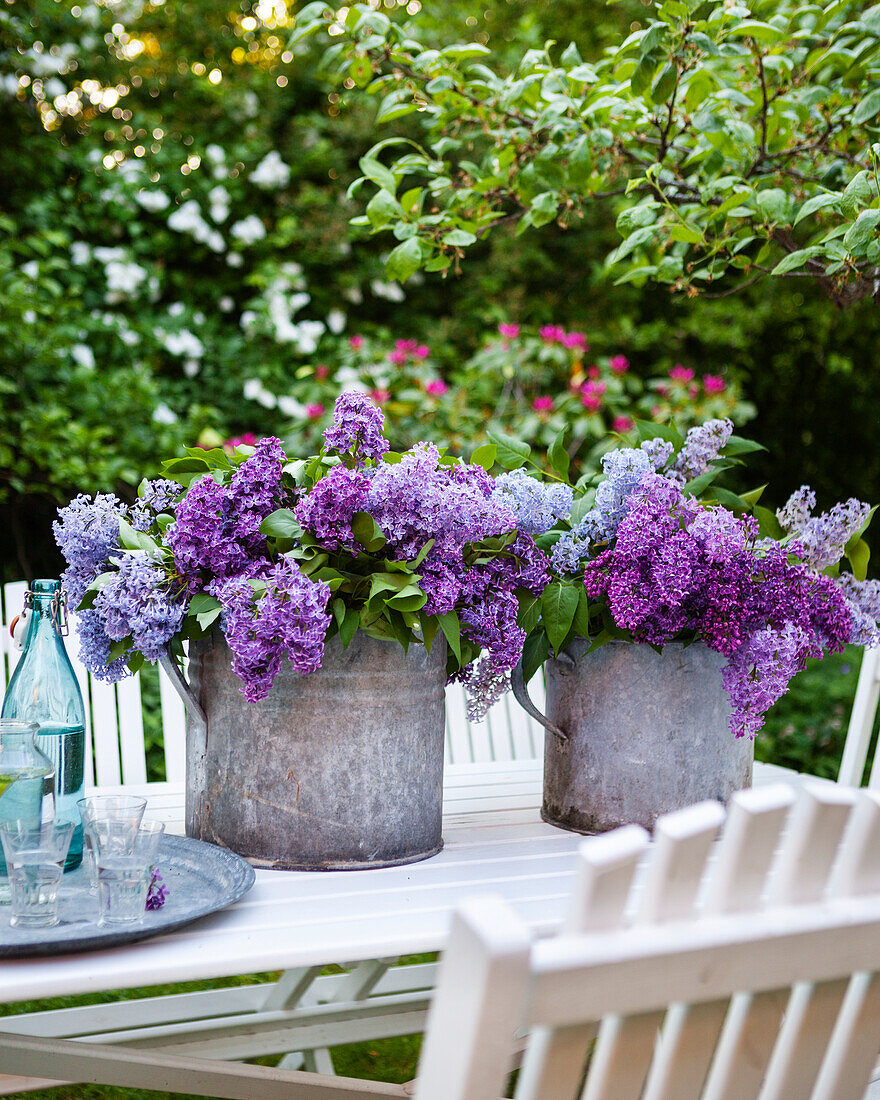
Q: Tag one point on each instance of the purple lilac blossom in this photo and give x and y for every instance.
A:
(701, 447)
(216, 530)
(659, 451)
(677, 567)
(822, 539)
(154, 497)
(575, 546)
(537, 507)
(327, 510)
(87, 531)
(94, 648)
(623, 470)
(136, 603)
(357, 427)
(289, 620)
(416, 499)
(795, 513)
(157, 894)
(863, 601)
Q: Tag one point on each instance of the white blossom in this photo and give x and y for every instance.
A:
(109, 255)
(247, 319)
(255, 391)
(271, 172)
(234, 259)
(248, 230)
(53, 88)
(162, 414)
(83, 354)
(129, 337)
(226, 304)
(353, 294)
(123, 279)
(336, 321)
(309, 334)
(29, 316)
(191, 367)
(176, 309)
(152, 200)
(186, 218)
(9, 84)
(292, 408)
(184, 343)
(31, 269)
(80, 253)
(391, 292)
(215, 154)
(347, 378)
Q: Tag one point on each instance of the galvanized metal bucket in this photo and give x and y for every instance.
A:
(339, 769)
(635, 734)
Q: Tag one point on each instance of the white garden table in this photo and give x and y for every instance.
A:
(300, 922)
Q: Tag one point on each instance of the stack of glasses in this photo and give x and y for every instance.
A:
(120, 850)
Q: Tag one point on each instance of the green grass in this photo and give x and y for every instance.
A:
(805, 730)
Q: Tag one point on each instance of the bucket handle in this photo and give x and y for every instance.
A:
(183, 689)
(521, 694)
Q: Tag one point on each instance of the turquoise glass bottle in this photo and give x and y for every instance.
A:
(25, 774)
(43, 689)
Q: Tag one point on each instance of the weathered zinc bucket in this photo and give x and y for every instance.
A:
(634, 734)
(339, 769)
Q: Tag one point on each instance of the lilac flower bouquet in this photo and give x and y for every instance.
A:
(281, 555)
(654, 552)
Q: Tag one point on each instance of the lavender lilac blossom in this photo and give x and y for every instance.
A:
(157, 894)
(87, 532)
(702, 446)
(357, 428)
(821, 539)
(154, 497)
(537, 507)
(137, 603)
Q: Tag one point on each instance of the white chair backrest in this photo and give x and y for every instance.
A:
(861, 725)
(686, 968)
(114, 712)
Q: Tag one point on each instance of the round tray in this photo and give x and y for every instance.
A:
(201, 878)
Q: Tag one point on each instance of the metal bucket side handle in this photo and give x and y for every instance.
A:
(521, 694)
(183, 689)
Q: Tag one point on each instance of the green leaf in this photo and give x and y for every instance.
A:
(773, 204)
(379, 174)
(529, 611)
(579, 509)
(817, 202)
(281, 523)
(460, 238)
(863, 229)
(464, 51)
(535, 652)
(451, 628)
(697, 485)
(769, 525)
(559, 603)
(368, 533)
(404, 260)
(753, 496)
(510, 453)
(558, 455)
(737, 445)
(129, 539)
(422, 554)
(868, 108)
(581, 621)
(119, 649)
(794, 260)
(410, 598)
(543, 208)
(647, 429)
(858, 555)
(485, 456)
(429, 626)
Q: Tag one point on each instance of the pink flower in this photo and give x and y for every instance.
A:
(398, 357)
(593, 387)
(713, 384)
(622, 424)
(593, 372)
(543, 404)
(421, 351)
(315, 412)
(380, 396)
(355, 342)
(590, 402)
(436, 388)
(693, 390)
(619, 364)
(575, 340)
(552, 334)
(247, 439)
(680, 373)
(322, 370)
(509, 332)
(405, 345)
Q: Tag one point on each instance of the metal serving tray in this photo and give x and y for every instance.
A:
(201, 878)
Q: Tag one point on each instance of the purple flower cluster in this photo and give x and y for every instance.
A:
(154, 497)
(136, 603)
(87, 532)
(357, 428)
(290, 620)
(94, 648)
(677, 568)
(863, 600)
(327, 511)
(537, 507)
(821, 539)
(216, 530)
(701, 447)
(157, 894)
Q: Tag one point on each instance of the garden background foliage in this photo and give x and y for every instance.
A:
(177, 263)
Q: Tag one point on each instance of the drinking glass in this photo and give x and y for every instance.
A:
(35, 858)
(110, 822)
(124, 878)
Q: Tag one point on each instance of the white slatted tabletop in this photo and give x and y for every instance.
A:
(495, 843)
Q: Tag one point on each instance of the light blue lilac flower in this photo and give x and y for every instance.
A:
(863, 600)
(574, 547)
(659, 451)
(290, 620)
(701, 447)
(537, 506)
(94, 648)
(87, 531)
(623, 470)
(137, 603)
(154, 497)
(821, 539)
(357, 427)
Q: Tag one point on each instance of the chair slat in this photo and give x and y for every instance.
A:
(854, 1045)
(105, 734)
(737, 879)
(861, 723)
(457, 725)
(800, 874)
(131, 730)
(173, 729)
(625, 1046)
